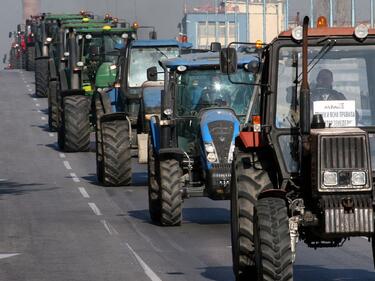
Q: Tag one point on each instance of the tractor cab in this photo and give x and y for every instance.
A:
(304, 159)
(192, 141)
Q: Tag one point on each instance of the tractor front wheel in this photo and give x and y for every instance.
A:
(273, 256)
(115, 169)
(153, 185)
(248, 180)
(170, 193)
(75, 124)
(53, 106)
(41, 78)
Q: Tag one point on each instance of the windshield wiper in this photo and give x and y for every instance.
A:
(161, 52)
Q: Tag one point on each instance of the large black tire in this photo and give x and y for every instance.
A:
(153, 185)
(170, 193)
(75, 127)
(248, 180)
(23, 61)
(117, 170)
(273, 255)
(30, 59)
(102, 105)
(373, 248)
(41, 78)
(53, 106)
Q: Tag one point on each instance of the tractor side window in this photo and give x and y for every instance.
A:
(341, 88)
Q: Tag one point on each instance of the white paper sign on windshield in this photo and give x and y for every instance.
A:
(336, 113)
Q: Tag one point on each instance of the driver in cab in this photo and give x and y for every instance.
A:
(324, 90)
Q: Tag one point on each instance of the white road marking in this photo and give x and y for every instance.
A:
(51, 135)
(62, 155)
(3, 180)
(37, 104)
(74, 177)
(34, 99)
(39, 111)
(30, 90)
(43, 118)
(83, 192)
(148, 271)
(110, 229)
(95, 209)
(4, 256)
(67, 165)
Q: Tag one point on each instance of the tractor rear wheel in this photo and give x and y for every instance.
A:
(116, 169)
(53, 106)
(76, 123)
(30, 59)
(41, 78)
(153, 185)
(170, 193)
(273, 256)
(248, 180)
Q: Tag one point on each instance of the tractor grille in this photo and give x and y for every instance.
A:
(347, 152)
(222, 133)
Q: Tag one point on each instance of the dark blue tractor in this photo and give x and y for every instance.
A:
(123, 111)
(193, 139)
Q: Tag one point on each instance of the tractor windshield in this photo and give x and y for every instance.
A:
(142, 58)
(198, 89)
(341, 85)
(101, 47)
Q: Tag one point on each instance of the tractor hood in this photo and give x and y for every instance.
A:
(219, 128)
(105, 76)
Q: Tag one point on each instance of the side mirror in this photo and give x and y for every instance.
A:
(252, 67)
(215, 47)
(152, 74)
(228, 60)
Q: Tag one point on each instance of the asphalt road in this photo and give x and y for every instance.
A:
(56, 223)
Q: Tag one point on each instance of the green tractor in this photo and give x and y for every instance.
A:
(303, 162)
(59, 58)
(91, 63)
(45, 30)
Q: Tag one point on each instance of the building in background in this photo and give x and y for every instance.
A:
(30, 7)
(233, 20)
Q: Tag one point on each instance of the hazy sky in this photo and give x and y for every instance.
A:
(163, 14)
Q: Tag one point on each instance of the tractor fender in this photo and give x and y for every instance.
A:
(171, 153)
(155, 133)
(275, 193)
(68, 93)
(113, 117)
(42, 58)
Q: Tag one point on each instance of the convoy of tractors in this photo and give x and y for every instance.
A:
(283, 130)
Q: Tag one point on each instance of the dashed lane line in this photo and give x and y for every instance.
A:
(43, 118)
(74, 177)
(83, 192)
(51, 135)
(95, 209)
(110, 229)
(62, 155)
(148, 271)
(67, 165)
(37, 104)
(34, 99)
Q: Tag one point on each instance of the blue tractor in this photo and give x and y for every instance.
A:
(123, 111)
(193, 139)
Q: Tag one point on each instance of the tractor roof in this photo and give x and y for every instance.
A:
(155, 43)
(199, 60)
(99, 30)
(91, 24)
(63, 16)
(327, 31)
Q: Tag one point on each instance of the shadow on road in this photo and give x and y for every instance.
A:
(14, 188)
(218, 273)
(192, 215)
(313, 273)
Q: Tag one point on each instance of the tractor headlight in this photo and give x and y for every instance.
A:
(168, 111)
(330, 178)
(211, 152)
(211, 157)
(358, 178)
(209, 148)
(231, 151)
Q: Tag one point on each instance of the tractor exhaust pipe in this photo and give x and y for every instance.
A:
(30, 8)
(305, 89)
